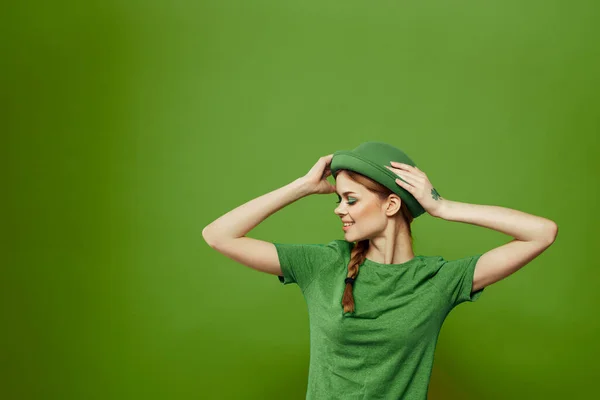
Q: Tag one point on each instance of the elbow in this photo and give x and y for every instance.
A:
(212, 238)
(552, 232)
(208, 238)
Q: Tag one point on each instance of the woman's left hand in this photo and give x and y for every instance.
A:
(417, 183)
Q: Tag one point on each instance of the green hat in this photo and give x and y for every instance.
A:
(369, 159)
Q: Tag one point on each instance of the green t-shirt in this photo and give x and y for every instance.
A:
(385, 349)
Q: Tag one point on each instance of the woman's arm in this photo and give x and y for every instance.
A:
(532, 235)
(241, 220)
(227, 233)
(520, 225)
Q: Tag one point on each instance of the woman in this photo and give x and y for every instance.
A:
(375, 307)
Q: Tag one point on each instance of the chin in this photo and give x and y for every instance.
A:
(352, 238)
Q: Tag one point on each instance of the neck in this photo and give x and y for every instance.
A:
(392, 246)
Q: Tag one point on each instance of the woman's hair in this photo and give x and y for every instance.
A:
(359, 251)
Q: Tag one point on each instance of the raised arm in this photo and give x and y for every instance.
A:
(241, 220)
(227, 233)
(532, 234)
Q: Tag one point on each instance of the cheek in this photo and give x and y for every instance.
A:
(366, 212)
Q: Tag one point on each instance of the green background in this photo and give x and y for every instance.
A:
(130, 126)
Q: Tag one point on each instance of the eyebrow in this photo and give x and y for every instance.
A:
(345, 193)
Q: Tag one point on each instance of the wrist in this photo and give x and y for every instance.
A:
(301, 186)
(442, 209)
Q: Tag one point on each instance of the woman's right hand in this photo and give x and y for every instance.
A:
(316, 179)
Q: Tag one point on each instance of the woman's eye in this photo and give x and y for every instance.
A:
(349, 201)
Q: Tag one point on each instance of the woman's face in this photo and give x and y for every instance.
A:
(361, 207)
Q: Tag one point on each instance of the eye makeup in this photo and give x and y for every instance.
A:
(349, 201)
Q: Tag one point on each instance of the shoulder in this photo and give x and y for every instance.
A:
(342, 246)
(440, 263)
(430, 267)
(433, 261)
(454, 269)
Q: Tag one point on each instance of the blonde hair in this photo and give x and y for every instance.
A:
(359, 251)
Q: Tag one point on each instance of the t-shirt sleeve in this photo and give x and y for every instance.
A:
(456, 278)
(301, 263)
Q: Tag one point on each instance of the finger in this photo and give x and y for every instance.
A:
(397, 171)
(408, 168)
(405, 185)
(400, 165)
(409, 179)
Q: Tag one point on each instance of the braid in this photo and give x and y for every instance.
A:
(358, 255)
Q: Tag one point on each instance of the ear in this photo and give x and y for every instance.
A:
(393, 204)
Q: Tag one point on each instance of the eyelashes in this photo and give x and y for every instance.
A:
(349, 202)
